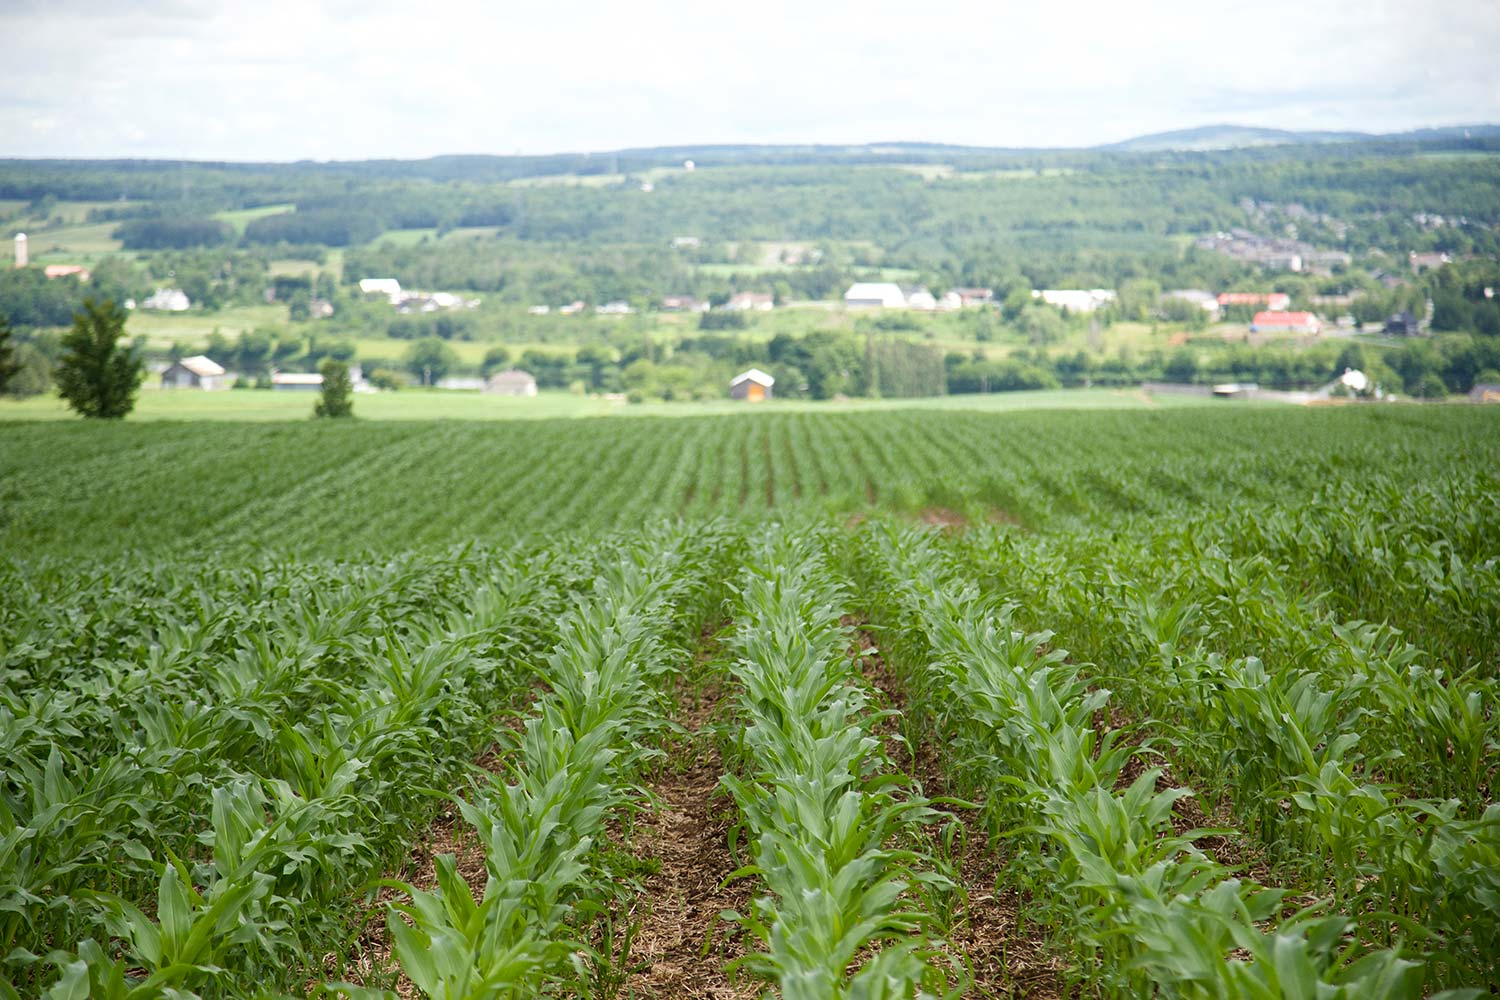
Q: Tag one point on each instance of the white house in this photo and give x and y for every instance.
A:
(390, 288)
(1078, 300)
(874, 294)
(197, 372)
(168, 300)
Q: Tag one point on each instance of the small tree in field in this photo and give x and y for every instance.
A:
(8, 363)
(97, 375)
(335, 400)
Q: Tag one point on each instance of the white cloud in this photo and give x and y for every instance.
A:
(285, 80)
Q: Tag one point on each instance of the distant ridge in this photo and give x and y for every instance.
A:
(1211, 137)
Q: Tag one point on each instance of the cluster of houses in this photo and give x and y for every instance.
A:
(408, 302)
(204, 373)
(889, 295)
(1274, 253)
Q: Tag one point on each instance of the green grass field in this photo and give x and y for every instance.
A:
(242, 217)
(430, 404)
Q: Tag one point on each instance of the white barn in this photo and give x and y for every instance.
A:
(874, 295)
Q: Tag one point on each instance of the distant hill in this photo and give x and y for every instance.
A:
(1211, 137)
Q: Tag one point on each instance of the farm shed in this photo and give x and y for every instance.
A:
(512, 382)
(751, 386)
(1296, 322)
(1485, 392)
(874, 294)
(197, 372)
(751, 302)
(297, 381)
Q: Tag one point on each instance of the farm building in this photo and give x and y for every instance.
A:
(1404, 324)
(874, 295)
(1207, 301)
(167, 300)
(197, 372)
(1274, 301)
(387, 288)
(296, 381)
(67, 271)
(1293, 322)
(751, 386)
(973, 296)
(751, 302)
(919, 298)
(1485, 392)
(513, 382)
(1077, 300)
(683, 303)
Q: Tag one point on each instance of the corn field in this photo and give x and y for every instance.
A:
(1102, 705)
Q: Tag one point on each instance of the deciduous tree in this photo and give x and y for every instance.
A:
(336, 399)
(8, 363)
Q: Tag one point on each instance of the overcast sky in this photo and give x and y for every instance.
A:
(351, 79)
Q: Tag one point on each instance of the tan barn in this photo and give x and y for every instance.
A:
(197, 372)
(513, 382)
(752, 386)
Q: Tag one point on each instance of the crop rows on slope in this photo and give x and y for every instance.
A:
(1135, 897)
(1361, 752)
(203, 768)
(824, 816)
(571, 768)
(315, 489)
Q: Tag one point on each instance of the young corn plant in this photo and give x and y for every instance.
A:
(819, 805)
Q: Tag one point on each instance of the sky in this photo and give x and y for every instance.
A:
(339, 79)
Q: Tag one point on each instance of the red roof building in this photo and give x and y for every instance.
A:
(1300, 322)
(1271, 300)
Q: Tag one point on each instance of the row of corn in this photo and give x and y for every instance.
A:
(201, 771)
(829, 829)
(573, 765)
(1144, 906)
(1362, 763)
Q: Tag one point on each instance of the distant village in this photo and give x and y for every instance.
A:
(1268, 312)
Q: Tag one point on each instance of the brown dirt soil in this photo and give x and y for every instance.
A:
(680, 904)
(998, 516)
(987, 938)
(943, 517)
(1233, 850)
(448, 834)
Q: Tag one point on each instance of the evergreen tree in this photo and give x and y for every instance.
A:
(336, 398)
(97, 375)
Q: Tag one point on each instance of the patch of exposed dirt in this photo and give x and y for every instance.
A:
(1233, 850)
(943, 517)
(447, 834)
(682, 947)
(987, 938)
(996, 515)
